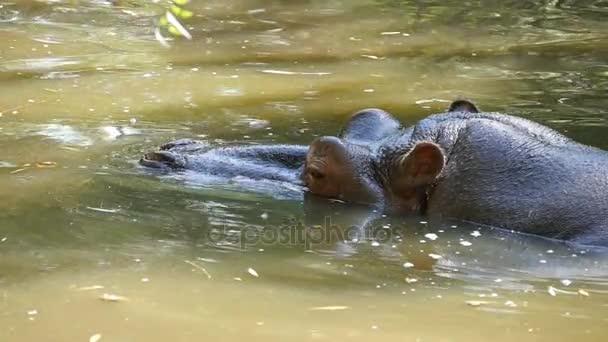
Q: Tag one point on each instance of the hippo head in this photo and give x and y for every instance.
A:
(396, 176)
(337, 169)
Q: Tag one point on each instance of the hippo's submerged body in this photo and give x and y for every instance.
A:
(509, 172)
(487, 168)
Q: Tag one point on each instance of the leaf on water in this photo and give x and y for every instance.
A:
(431, 236)
(95, 338)
(476, 303)
(108, 297)
(111, 211)
(372, 57)
(198, 267)
(552, 291)
(329, 308)
(18, 170)
(253, 272)
(89, 288)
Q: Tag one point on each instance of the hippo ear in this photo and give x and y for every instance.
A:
(422, 164)
(464, 106)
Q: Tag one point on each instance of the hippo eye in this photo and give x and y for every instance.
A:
(316, 174)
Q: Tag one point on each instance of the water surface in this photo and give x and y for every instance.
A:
(85, 89)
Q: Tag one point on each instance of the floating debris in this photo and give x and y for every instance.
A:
(466, 243)
(108, 297)
(329, 308)
(435, 256)
(145, 280)
(198, 267)
(252, 272)
(375, 243)
(583, 292)
(552, 291)
(90, 288)
(411, 280)
(33, 312)
(46, 164)
(566, 282)
(109, 211)
(408, 265)
(431, 236)
(3, 239)
(18, 170)
(264, 216)
(372, 57)
(95, 338)
(475, 233)
(278, 72)
(510, 304)
(476, 303)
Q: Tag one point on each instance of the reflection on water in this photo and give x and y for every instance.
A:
(86, 90)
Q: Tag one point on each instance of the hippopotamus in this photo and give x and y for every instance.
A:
(488, 168)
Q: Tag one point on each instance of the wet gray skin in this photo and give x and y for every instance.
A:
(270, 162)
(487, 168)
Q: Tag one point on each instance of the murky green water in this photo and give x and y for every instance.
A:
(85, 85)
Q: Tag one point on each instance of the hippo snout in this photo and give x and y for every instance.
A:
(163, 159)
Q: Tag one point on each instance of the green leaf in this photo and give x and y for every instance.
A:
(185, 14)
(174, 31)
(175, 10)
